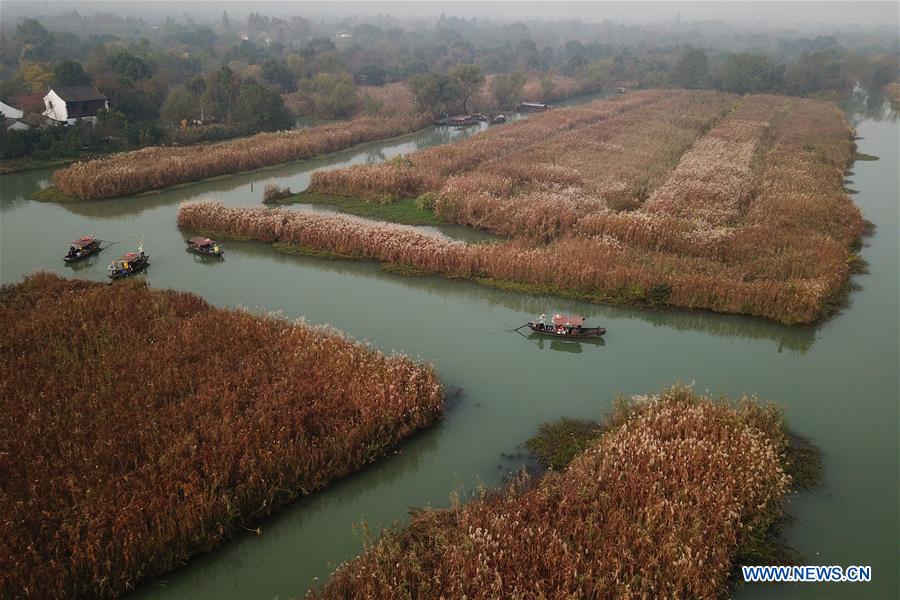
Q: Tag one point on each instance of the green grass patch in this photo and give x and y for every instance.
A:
(403, 270)
(557, 443)
(803, 462)
(404, 211)
(52, 194)
(301, 250)
(864, 156)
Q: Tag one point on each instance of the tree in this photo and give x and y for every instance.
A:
(35, 41)
(180, 105)
(817, 71)
(747, 73)
(507, 88)
(278, 73)
(220, 95)
(333, 96)
(469, 79)
(371, 74)
(599, 73)
(37, 76)
(433, 91)
(260, 109)
(547, 85)
(69, 72)
(129, 66)
(692, 70)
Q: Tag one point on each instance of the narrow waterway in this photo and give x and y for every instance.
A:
(838, 383)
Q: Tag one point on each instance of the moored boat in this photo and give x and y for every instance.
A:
(565, 326)
(129, 264)
(532, 107)
(83, 247)
(204, 246)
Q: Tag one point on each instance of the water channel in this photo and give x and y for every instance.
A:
(838, 382)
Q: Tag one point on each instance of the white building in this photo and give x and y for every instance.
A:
(13, 117)
(71, 103)
(10, 112)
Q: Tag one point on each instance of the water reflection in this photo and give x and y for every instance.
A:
(560, 345)
(795, 339)
(206, 260)
(861, 105)
(84, 264)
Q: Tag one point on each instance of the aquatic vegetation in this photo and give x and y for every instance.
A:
(345, 235)
(141, 427)
(274, 193)
(428, 170)
(160, 167)
(661, 505)
(729, 204)
(557, 443)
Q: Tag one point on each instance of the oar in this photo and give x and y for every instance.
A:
(526, 337)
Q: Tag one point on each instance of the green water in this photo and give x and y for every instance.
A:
(839, 382)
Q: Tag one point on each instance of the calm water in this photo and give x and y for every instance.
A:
(839, 382)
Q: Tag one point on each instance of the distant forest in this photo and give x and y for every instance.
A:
(180, 80)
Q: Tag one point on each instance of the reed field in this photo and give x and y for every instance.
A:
(561, 88)
(651, 509)
(689, 199)
(892, 90)
(141, 427)
(159, 167)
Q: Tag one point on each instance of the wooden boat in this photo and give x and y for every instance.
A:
(458, 121)
(565, 326)
(204, 246)
(129, 264)
(532, 107)
(86, 245)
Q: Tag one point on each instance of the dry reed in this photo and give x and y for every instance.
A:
(274, 193)
(658, 507)
(141, 427)
(692, 199)
(160, 167)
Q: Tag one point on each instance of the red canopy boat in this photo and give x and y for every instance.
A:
(565, 326)
(83, 247)
(129, 264)
(204, 245)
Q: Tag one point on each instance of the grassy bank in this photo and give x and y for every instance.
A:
(141, 427)
(51, 193)
(403, 211)
(18, 165)
(672, 494)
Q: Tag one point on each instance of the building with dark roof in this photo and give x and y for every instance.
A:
(71, 103)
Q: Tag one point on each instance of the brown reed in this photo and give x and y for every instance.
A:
(658, 507)
(141, 427)
(729, 204)
(160, 167)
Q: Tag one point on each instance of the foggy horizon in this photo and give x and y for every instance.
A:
(763, 14)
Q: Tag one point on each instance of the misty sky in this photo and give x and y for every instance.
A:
(768, 12)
